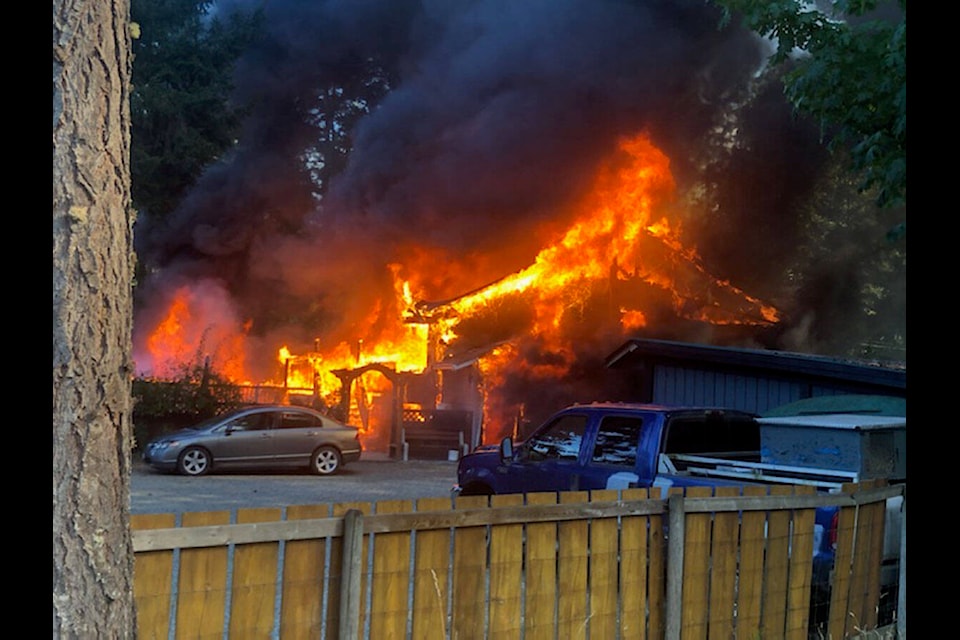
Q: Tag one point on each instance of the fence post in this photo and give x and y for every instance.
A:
(352, 567)
(675, 533)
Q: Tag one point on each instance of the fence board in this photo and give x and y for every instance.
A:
(750, 588)
(573, 539)
(541, 560)
(431, 564)
(867, 555)
(874, 562)
(865, 583)
(332, 622)
(634, 568)
(254, 584)
(858, 571)
(842, 564)
(506, 574)
(201, 601)
(723, 572)
(469, 576)
(390, 576)
(801, 569)
(656, 573)
(696, 562)
(603, 544)
(304, 563)
(776, 566)
(152, 578)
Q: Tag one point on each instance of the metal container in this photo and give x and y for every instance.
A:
(873, 447)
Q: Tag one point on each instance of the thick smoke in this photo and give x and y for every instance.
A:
(497, 115)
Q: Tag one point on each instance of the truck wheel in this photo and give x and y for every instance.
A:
(476, 490)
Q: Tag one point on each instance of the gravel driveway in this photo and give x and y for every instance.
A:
(369, 480)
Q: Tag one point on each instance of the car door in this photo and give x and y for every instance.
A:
(296, 435)
(549, 460)
(245, 440)
(613, 452)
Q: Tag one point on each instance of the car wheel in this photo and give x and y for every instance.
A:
(194, 461)
(325, 461)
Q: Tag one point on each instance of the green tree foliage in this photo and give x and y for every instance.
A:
(847, 69)
(338, 106)
(181, 114)
(846, 268)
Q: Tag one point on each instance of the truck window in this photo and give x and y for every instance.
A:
(617, 439)
(733, 439)
(560, 441)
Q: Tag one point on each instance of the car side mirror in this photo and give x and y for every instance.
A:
(506, 449)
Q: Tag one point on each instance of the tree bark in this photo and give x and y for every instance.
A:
(93, 266)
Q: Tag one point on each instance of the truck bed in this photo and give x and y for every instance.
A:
(729, 466)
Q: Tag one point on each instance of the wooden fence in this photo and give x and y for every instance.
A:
(608, 564)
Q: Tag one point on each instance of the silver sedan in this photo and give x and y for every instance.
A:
(261, 436)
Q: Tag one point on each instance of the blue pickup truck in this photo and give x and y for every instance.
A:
(618, 445)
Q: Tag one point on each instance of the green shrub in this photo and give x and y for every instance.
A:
(161, 406)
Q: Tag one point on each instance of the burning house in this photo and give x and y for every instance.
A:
(512, 209)
(428, 381)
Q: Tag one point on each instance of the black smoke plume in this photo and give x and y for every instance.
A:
(496, 116)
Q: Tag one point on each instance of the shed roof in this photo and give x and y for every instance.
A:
(859, 404)
(638, 353)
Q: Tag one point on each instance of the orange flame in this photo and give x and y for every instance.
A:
(185, 334)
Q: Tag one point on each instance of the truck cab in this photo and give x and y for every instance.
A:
(609, 446)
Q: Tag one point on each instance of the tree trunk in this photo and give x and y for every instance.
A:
(93, 266)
